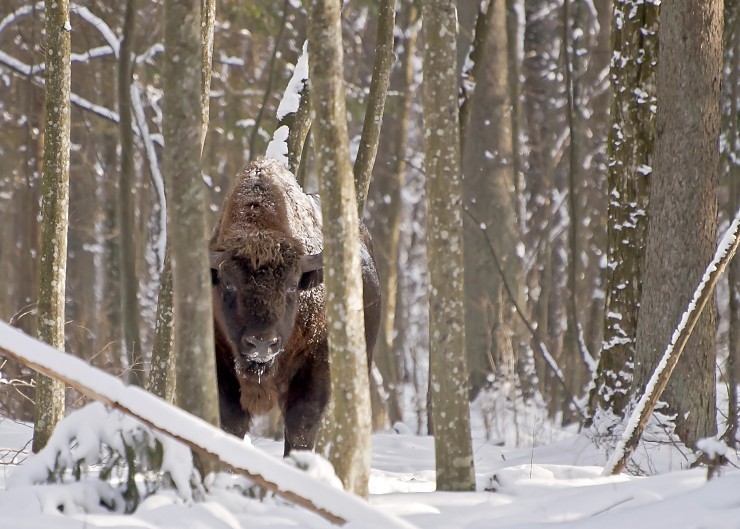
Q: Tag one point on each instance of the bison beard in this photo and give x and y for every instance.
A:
(269, 307)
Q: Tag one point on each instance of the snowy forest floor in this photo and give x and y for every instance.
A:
(555, 484)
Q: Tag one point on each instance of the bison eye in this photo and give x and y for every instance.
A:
(229, 288)
(292, 289)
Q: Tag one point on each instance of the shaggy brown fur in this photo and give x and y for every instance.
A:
(268, 296)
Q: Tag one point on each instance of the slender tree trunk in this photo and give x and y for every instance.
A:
(162, 377)
(630, 151)
(254, 137)
(386, 214)
(540, 91)
(299, 124)
(207, 24)
(515, 70)
(186, 223)
(370, 138)
(732, 173)
(447, 366)
(474, 65)
(350, 436)
(682, 215)
(126, 206)
(54, 213)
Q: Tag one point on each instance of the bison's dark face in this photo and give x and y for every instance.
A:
(255, 301)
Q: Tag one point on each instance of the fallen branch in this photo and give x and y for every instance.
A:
(657, 383)
(335, 505)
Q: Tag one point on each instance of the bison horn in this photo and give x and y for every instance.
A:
(312, 271)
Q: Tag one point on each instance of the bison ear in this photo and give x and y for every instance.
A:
(312, 271)
(214, 277)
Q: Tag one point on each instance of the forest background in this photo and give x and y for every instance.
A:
(558, 153)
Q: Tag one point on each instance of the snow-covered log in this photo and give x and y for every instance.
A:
(293, 485)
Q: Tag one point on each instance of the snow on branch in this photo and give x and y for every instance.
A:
(35, 74)
(293, 485)
(658, 381)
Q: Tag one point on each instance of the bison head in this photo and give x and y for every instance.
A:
(256, 282)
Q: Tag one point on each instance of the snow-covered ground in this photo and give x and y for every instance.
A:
(556, 484)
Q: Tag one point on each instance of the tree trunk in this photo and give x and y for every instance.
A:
(162, 376)
(732, 173)
(385, 216)
(126, 206)
(350, 433)
(488, 190)
(630, 150)
(186, 222)
(207, 24)
(54, 214)
(682, 215)
(447, 365)
(540, 94)
(368, 149)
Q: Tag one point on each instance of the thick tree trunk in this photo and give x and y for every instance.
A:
(682, 215)
(54, 214)
(447, 364)
(350, 433)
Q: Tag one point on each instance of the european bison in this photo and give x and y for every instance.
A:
(269, 307)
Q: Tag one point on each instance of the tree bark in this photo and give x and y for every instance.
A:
(630, 151)
(682, 214)
(54, 214)
(447, 364)
(162, 376)
(350, 436)
(195, 365)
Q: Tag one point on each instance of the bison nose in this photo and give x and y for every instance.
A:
(261, 349)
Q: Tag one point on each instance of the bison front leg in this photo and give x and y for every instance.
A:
(234, 419)
(307, 397)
